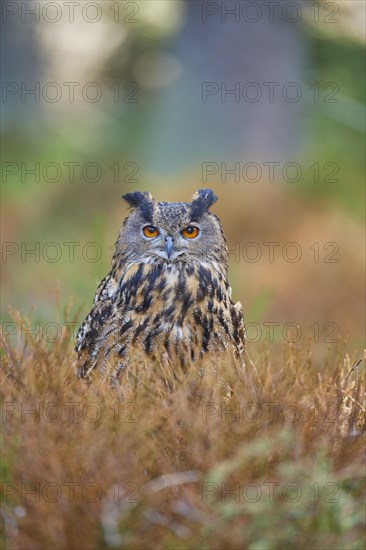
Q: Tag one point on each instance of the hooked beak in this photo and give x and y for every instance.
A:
(169, 246)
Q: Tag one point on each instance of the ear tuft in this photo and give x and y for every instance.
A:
(201, 202)
(137, 198)
(144, 201)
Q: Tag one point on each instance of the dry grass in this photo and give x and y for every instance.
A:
(268, 457)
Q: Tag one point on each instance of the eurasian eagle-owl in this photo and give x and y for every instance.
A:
(167, 292)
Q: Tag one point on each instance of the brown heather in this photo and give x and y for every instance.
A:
(268, 457)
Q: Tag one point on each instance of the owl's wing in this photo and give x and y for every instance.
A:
(93, 329)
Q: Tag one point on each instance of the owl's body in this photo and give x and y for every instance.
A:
(167, 294)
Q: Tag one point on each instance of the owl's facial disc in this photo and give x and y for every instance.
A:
(172, 231)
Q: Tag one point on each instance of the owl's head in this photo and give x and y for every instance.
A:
(172, 231)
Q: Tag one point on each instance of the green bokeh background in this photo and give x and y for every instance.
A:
(106, 132)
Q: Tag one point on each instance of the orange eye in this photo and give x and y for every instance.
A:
(190, 232)
(150, 231)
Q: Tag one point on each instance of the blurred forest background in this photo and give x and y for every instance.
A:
(121, 98)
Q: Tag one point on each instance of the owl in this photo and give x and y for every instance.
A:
(167, 293)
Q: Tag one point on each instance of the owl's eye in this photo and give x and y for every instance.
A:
(150, 231)
(190, 232)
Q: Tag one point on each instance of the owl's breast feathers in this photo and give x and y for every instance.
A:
(182, 309)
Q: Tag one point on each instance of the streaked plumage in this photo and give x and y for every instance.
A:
(166, 295)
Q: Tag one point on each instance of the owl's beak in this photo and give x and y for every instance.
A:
(169, 245)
